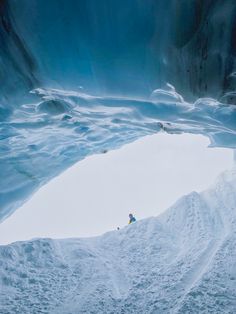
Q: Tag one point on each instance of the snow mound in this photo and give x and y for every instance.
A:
(183, 261)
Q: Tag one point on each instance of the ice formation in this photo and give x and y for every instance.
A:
(183, 261)
(42, 139)
(126, 47)
(85, 77)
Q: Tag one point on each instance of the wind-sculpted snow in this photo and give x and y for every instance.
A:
(39, 140)
(183, 261)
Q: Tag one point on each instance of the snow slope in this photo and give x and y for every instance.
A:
(183, 261)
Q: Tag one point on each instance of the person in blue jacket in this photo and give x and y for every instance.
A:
(131, 219)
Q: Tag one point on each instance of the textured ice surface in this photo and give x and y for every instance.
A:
(42, 138)
(120, 48)
(131, 48)
(125, 47)
(183, 261)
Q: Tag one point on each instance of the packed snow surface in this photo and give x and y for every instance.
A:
(183, 261)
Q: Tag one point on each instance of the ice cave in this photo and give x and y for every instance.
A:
(86, 77)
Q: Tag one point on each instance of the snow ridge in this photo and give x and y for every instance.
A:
(183, 261)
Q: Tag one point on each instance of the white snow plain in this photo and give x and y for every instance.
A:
(183, 261)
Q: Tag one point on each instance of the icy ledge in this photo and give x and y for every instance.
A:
(181, 262)
(42, 138)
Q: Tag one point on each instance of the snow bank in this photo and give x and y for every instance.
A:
(183, 261)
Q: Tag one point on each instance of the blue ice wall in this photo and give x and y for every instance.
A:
(125, 47)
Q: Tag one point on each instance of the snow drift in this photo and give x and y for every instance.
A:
(183, 261)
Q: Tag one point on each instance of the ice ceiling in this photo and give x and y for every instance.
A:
(83, 77)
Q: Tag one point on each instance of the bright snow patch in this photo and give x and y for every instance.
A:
(183, 261)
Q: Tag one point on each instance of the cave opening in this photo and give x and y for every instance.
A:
(97, 194)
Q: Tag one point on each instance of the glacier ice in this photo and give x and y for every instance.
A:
(183, 261)
(126, 47)
(174, 73)
(145, 67)
(42, 138)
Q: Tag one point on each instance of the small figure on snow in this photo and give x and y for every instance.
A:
(131, 219)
